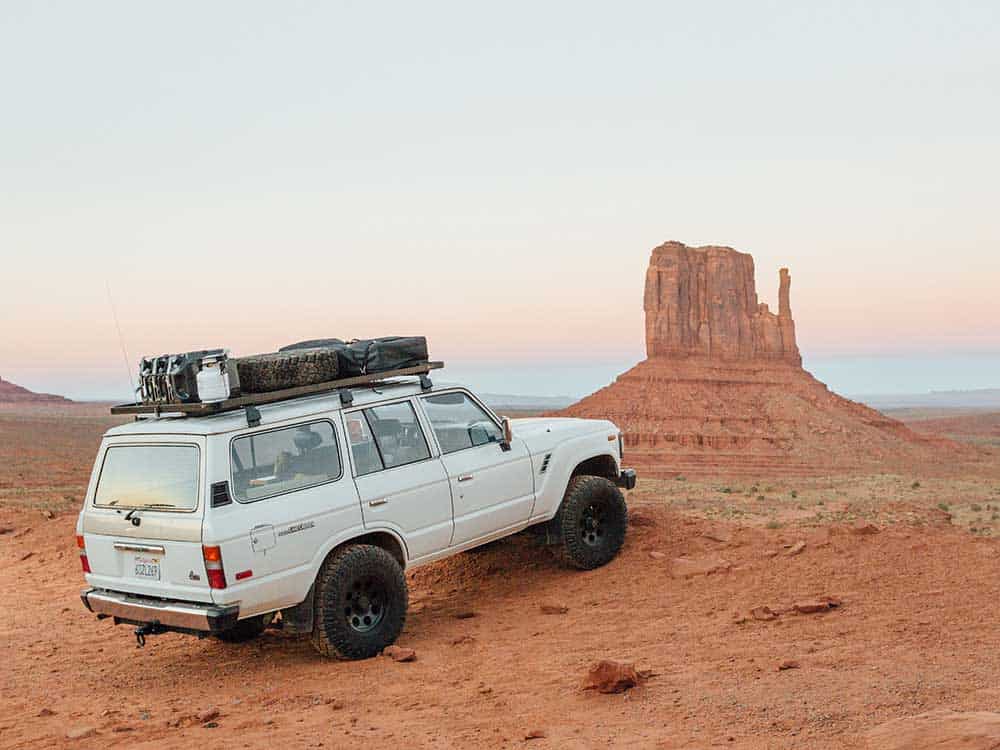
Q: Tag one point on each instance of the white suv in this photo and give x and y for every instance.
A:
(313, 507)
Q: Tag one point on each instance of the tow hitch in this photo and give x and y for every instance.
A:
(149, 628)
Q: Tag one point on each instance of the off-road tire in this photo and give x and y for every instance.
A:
(588, 543)
(243, 630)
(339, 630)
(262, 373)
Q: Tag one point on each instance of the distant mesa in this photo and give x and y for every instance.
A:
(11, 393)
(723, 390)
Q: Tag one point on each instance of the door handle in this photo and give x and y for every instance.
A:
(376, 503)
(465, 478)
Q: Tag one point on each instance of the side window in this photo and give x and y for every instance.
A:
(397, 435)
(459, 422)
(277, 461)
(363, 448)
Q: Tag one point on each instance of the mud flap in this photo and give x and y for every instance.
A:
(299, 619)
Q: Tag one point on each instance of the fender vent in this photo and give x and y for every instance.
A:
(220, 494)
(545, 463)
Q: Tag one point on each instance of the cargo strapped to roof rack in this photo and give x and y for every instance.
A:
(256, 399)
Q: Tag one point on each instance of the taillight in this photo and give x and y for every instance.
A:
(83, 553)
(213, 566)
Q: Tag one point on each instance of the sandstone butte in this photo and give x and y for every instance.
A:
(723, 390)
(11, 393)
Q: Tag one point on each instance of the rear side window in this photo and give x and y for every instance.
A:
(278, 461)
(363, 448)
(164, 477)
(386, 436)
(459, 422)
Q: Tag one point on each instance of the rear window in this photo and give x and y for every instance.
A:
(284, 460)
(164, 477)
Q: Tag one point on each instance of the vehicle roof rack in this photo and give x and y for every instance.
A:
(256, 399)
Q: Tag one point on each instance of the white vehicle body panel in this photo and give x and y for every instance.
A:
(272, 548)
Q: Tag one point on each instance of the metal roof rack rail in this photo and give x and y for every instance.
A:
(256, 399)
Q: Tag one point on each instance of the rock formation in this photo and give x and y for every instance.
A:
(10, 393)
(723, 390)
(703, 302)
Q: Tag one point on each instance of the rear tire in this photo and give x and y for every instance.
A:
(592, 522)
(243, 630)
(262, 373)
(361, 601)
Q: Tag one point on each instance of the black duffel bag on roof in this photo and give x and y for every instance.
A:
(369, 356)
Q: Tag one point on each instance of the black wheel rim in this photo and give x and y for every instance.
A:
(364, 604)
(593, 525)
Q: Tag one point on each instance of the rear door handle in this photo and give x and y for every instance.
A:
(376, 503)
(465, 478)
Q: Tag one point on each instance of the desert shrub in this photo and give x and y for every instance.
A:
(944, 506)
(915, 485)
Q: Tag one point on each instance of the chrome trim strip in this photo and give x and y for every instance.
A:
(128, 547)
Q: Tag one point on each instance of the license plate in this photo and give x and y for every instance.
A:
(146, 567)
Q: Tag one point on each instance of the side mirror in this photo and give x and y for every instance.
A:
(508, 433)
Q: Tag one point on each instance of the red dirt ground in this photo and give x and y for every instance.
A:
(916, 630)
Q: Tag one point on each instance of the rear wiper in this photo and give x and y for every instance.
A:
(136, 520)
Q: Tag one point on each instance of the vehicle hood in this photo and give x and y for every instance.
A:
(542, 433)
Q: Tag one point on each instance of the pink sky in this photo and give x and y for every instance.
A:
(493, 180)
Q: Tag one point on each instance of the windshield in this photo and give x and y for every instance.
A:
(164, 477)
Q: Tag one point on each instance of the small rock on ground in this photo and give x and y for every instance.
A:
(686, 567)
(763, 613)
(400, 653)
(80, 733)
(607, 676)
(554, 609)
(796, 549)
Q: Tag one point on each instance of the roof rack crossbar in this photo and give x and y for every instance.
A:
(256, 399)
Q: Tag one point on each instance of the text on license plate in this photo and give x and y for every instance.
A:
(146, 567)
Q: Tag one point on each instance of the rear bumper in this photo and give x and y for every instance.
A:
(139, 610)
(626, 479)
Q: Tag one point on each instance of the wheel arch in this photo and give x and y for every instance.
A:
(602, 465)
(378, 538)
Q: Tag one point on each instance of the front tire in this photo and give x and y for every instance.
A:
(361, 601)
(592, 522)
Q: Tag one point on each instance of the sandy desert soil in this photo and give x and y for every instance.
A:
(979, 428)
(915, 628)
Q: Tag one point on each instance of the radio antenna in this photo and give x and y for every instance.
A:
(121, 339)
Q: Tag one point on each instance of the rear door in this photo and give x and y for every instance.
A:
(291, 496)
(402, 484)
(143, 517)
(492, 489)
